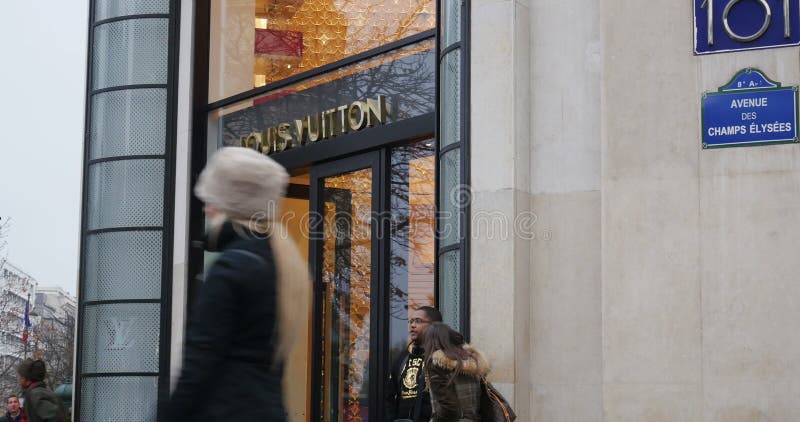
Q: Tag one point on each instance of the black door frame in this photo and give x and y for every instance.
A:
(374, 161)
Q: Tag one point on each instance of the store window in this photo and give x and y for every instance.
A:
(405, 77)
(412, 201)
(257, 42)
(307, 54)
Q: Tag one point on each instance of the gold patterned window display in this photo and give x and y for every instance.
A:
(334, 29)
(286, 37)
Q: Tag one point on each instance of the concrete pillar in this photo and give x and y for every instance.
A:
(501, 195)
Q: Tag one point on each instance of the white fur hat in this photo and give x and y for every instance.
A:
(243, 183)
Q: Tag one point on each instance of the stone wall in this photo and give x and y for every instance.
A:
(659, 285)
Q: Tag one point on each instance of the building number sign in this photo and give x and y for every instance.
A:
(731, 25)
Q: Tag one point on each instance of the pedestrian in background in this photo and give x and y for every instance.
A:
(254, 301)
(41, 404)
(453, 371)
(407, 399)
(13, 411)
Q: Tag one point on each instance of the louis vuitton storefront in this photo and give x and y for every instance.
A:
(343, 94)
(533, 168)
(348, 96)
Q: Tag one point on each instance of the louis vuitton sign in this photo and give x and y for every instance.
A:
(318, 126)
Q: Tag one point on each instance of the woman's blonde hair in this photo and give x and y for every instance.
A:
(294, 290)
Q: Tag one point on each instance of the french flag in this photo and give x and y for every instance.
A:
(27, 322)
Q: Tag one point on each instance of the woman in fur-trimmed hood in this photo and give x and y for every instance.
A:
(254, 301)
(453, 371)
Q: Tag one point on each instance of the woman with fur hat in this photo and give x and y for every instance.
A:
(254, 300)
(453, 371)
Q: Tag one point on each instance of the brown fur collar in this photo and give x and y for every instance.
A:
(477, 366)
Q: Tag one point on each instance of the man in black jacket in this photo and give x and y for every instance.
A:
(406, 397)
(13, 413)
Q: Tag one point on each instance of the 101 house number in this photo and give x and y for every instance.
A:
(731, 32)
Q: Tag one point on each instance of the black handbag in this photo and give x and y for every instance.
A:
(494, 407)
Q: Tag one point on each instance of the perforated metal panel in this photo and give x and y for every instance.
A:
(451, 22)
(121, 366)
(123, 399)
(121, 337)
(130, 52)
(450, 288)
(450, 198)
(450, 101)
(123, 265)
(128, 193)
(105, 9)
(130, 122)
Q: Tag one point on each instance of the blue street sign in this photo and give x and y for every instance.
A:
(749, 110)
(731, 25)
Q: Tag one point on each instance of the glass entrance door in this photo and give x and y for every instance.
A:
(345, 250)
(372, 255)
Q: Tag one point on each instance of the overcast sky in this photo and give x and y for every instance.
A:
(43, 74)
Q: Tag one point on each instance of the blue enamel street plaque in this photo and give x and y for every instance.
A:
(731, 25)
(749, 110)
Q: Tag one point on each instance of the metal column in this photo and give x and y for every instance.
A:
(128, 194)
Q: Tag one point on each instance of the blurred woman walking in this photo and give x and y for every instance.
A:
(254, 301)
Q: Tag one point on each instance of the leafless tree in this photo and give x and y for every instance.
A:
(13, 290)
(50, 339)
(53, 342)
(5, 225)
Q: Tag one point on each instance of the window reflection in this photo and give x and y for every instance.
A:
(411, 265)
(405, 76)
(256, 42)
(346, 277)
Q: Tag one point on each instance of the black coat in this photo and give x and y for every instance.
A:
(8, 418)
(42, 405)
(417, 409)
(228, 371)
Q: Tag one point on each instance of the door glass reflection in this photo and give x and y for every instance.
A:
(413, 204)
(346, 276)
